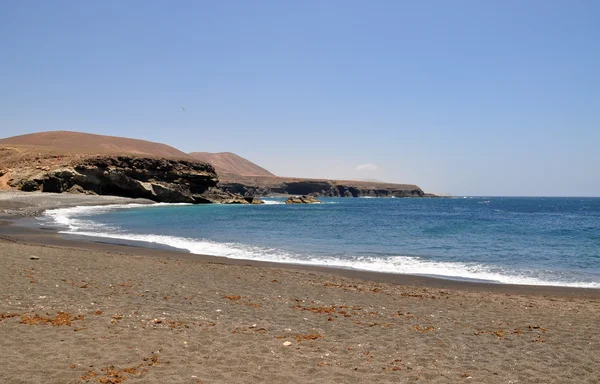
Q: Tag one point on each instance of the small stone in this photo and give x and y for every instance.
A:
(33, 257)
(287, 343)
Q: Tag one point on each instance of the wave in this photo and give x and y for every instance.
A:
(391, 264)
(72, 223)
(280, 202)
(69, 217)
(273, 202)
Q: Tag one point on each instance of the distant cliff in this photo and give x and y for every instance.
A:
(266, 186)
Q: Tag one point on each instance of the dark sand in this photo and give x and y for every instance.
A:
(103, 313)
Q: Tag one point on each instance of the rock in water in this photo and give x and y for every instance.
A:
(302, 200)
(254, 200)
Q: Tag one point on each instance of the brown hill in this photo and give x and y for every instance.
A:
(230, 163)
(88, 143)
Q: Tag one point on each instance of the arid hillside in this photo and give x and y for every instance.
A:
(227, 162)
(69, 142)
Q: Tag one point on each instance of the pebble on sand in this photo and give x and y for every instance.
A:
(287, 343)
(33, 257)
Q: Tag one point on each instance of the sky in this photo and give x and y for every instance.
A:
(465, 97)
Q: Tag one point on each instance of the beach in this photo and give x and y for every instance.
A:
(76, 311)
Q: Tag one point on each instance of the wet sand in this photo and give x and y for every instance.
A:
(104, 313)
(14, 204)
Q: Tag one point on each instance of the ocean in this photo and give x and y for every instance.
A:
(507, 240)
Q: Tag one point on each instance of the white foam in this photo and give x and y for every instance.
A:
(393, 264)
(418, 266)
(273, 202)
(200, 247)
(67, 217)
(279, 202)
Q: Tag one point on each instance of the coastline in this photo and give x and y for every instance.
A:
(17, 204)
(93, 312)
(50, 238)
(23, 205)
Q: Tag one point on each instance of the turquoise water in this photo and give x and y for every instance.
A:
(549, 241)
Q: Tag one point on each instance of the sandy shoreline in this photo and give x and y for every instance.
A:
(155, 316)
(15, 206)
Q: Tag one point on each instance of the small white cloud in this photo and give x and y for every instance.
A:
(367, 167)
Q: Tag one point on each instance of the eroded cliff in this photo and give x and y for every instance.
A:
(266, 186)
(158, 179)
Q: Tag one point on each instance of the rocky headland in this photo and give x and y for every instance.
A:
(157, 179)
(274, 186)
(76, 162)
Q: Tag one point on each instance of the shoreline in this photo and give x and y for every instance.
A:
(32, 204)
(40, 202)
(92, 312)
(48, 237)
(17, 204)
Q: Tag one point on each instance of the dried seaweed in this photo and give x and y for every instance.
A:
(5, 315)
(308, 336)
(418, 328)
(62, 318)
(112, 375)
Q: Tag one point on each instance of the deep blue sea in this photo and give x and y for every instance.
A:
(540, 241)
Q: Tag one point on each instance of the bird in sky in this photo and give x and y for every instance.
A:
(183, 109)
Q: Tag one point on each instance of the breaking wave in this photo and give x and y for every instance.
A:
(79, 221)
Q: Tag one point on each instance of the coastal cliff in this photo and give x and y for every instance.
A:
(157, 179)
(268, 186)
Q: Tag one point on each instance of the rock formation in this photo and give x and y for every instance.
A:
(270, 186)
(301, 200)
(158, 179)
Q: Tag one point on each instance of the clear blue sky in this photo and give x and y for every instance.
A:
(462, 97)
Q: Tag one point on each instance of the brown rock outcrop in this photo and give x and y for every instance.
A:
(301, 200)
(158, 179)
